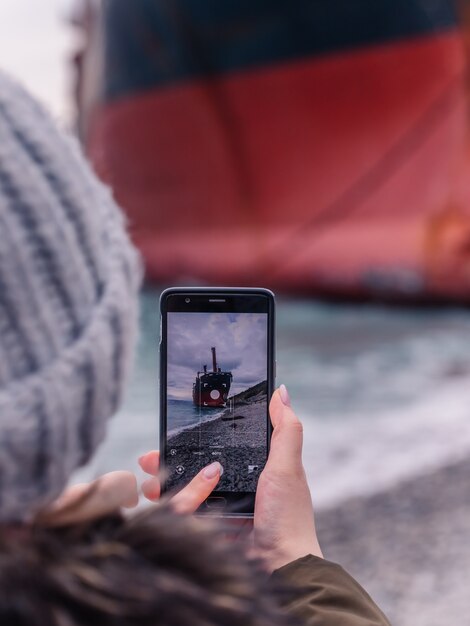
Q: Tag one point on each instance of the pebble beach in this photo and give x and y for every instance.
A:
(235, 439)
(408, 546)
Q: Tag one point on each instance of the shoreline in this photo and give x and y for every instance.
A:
(182, 429)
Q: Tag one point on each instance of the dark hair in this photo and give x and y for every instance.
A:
(154, 569)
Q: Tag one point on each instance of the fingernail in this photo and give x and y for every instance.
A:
(214, 469)
(284, 395)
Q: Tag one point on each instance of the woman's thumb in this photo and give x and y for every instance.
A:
(286, 443)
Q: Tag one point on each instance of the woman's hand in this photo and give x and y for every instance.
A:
(116, 490)
(284, 526)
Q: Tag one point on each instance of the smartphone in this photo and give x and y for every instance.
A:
(217, 370)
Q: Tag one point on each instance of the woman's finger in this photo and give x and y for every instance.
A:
(190, 498)
(151, 488)
(150, 462)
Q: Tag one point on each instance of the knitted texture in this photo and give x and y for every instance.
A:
(69, 278)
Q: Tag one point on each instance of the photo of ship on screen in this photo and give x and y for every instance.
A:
(211, 389)
(217, 397)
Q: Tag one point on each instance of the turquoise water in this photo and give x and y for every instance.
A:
(383, 393)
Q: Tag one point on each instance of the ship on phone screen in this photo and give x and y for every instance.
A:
(217, 397)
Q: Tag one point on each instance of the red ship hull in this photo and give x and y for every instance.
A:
(342, 174)
(211, 389)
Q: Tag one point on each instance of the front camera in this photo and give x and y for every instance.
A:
(187, 300)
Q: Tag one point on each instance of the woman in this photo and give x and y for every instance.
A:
(69, 279)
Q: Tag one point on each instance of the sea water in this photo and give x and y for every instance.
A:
(384, 393)
(183, 414)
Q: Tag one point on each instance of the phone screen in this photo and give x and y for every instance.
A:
(217, 388)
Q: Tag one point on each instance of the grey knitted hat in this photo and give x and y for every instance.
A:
(69, 278)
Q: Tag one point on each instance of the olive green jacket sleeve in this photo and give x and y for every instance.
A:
(321, 593)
